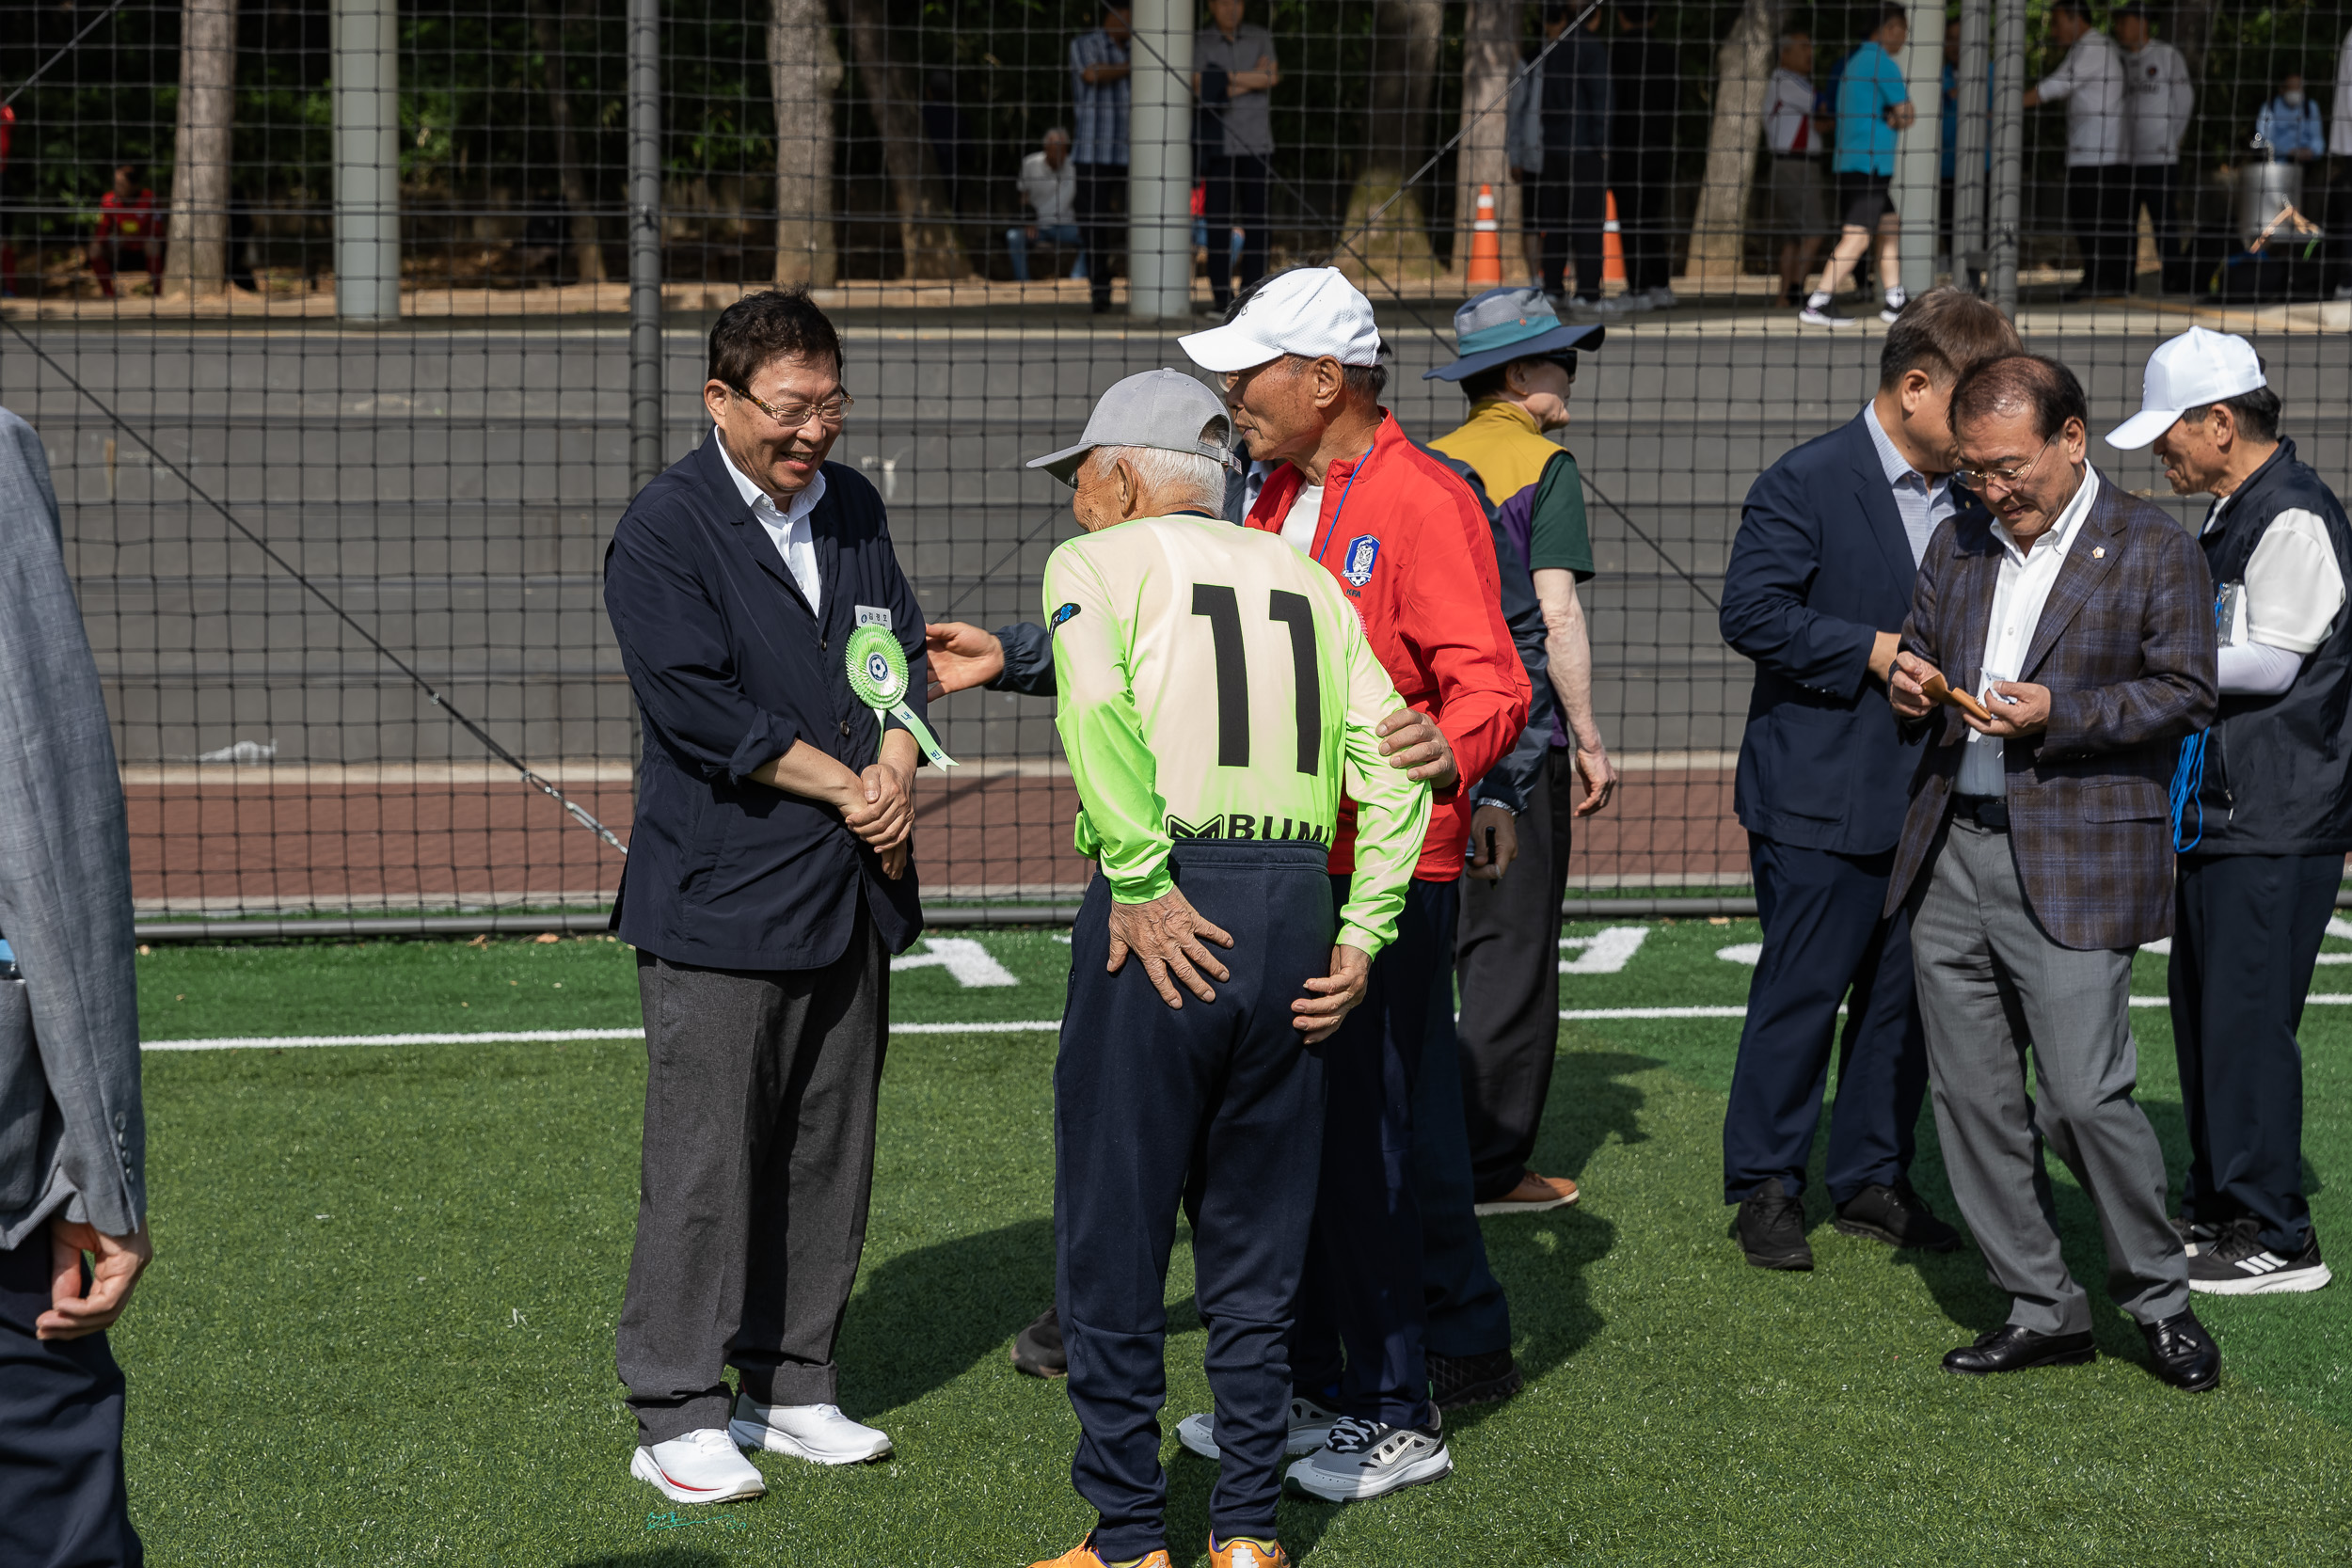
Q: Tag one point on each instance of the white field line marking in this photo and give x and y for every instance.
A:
(960, 956)
(1605, 952)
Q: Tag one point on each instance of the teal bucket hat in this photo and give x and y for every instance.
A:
(1504, 324)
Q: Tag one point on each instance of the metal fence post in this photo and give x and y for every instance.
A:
(1971, 136)
(1159, 163)
(1918, 158)
(2008, 153)
(645, 242)
(366, 66)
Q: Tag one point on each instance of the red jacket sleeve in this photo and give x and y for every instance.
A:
(1457, 625)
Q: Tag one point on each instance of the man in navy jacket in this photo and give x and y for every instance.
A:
(768, 884)
(1816, 592)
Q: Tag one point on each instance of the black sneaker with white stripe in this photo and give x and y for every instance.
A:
(2235, 1263)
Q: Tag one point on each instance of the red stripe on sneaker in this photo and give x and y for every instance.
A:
(682, 1485)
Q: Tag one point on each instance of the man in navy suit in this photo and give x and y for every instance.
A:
(766, 883)
(1818, 586)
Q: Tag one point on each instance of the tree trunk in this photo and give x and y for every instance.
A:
(197, 260)
(926, 229)
(1490, 58)
(587, 255)
(1743, 71)
(1406, 34)
(803, 72)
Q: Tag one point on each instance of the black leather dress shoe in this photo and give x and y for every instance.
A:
(2185, 1354)
(1769, 1228)
(1037, 1349)
(2011, 1349)
(1897, 1216)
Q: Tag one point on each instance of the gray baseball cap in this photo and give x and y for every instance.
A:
(1163, 408)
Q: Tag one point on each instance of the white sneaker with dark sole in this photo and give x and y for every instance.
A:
(1364, 1460)
(2237, 1264)
(703, 1466)
(1310, 1428)
(816, 1433)
(1812, 317)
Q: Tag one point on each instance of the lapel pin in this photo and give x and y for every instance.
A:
(2100, 553)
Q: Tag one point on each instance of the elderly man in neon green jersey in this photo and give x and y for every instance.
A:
(1217, 698)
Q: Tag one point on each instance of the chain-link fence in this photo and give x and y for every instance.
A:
(350, 327)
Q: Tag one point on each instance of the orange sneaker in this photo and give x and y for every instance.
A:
(1534, 1194)
(1084, 1556)
(1244, 1552)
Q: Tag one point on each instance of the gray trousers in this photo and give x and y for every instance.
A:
(759, 1162)
(1991, 984)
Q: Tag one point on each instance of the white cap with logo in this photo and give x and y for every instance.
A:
(2188, 372)
(1311, 311)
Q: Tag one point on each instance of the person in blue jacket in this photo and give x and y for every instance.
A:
(1816, 592)
(2288, 125)
(768, 884)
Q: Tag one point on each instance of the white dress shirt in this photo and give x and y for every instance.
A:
(2026, 578)
(2091, 82)
(795, 538)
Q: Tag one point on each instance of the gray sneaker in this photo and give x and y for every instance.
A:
(1311, 1426)
(1365, 1460)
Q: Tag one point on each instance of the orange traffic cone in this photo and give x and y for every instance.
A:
(1612, 246)
(1485, 252)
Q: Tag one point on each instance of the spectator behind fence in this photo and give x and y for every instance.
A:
(2339, 208)
(1099, 70)
(1559, 120)
(1818, 584)
(2287, 128)
(2266, 813)
(73, 1129)
(2035, 858)
(2160, 97)
(128, 229)
(1235, 74)
(2089, 81)
(769, 882)
(1049, 183)
(1645, 81)
(1874, 108)
(1797, 134)
(8, 203)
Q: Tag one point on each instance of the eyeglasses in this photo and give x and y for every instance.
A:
(2009, 478)
(795, 414)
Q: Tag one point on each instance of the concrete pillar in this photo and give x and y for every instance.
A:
(366, 67)
(1975, 132)
(1919, 155)
(2005, 226)
(645, 453)
(1159, 161)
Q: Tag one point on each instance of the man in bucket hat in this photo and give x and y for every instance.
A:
(1215, 697)
(1517, 365)
(2265, 813)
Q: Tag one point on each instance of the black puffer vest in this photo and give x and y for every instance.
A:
(2279, 769)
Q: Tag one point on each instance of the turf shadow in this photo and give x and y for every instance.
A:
(923, 1318)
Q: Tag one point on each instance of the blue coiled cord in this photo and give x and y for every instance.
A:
(2188, 774)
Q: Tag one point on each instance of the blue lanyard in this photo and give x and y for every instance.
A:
(1333, 526)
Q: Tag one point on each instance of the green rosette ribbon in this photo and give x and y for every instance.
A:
(878, 674)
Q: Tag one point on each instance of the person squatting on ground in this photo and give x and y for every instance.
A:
(2036, 858)
(1816, 591)
(769, 883)
(74, 1234)
(1048, 183)
(1414, 552)
(1217, 695)
(128, 234)
(1874, 108)
(1517, 365)
(2266, 808)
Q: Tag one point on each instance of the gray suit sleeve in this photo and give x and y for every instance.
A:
(65, 891)
(1029, 660)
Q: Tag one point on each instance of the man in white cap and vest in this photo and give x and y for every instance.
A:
(2263, 808)
(1414, 554)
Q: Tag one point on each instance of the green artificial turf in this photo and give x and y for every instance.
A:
(379, 1328)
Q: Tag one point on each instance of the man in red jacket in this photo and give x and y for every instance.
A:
(1412, 550)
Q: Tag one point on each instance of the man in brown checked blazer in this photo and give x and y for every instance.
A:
(2036, 856)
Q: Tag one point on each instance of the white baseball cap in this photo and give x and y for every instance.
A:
(1307, 310)
(2188, 372)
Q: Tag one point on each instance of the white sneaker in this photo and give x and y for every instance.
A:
(1814, 316)
(1663, 298)
(703, 1466)
(1636, 301)
(1310, 1428)
(1364, 1460)
(816, 1433)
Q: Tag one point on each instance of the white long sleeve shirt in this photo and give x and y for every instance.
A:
(2090, 82)
(2024, 587)
(2157, 83)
